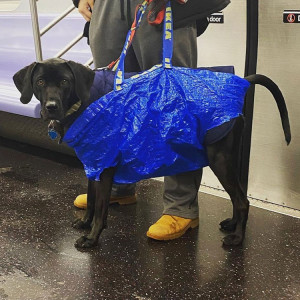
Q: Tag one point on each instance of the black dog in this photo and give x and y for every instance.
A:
(62, 86)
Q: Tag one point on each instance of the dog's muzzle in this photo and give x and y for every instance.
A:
(51, 106)
(52, 110)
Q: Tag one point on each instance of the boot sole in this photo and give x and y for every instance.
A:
(113, 200)
(194, 223)
(123, 200)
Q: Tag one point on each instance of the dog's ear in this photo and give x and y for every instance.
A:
(22, 80)
(84, 78)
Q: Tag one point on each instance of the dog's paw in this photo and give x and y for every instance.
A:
(228, 225)
(85, 242)
(233, 240)
(80, 224)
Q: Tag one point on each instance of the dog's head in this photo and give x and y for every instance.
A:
(56, 83)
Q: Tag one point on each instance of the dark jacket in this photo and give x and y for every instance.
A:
(197, 10)
(193, 10)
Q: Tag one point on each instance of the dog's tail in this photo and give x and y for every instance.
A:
(277, 94)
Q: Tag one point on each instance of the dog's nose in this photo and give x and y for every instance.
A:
(51, 106)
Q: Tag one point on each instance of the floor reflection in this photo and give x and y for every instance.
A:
(37, 244)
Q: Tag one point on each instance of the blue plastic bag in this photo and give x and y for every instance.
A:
(153, 124)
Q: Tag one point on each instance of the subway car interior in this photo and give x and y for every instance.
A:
(40, 178)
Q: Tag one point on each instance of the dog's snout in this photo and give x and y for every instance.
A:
(51, 106)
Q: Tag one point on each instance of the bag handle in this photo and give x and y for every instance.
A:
(168, 37)
(167, 42)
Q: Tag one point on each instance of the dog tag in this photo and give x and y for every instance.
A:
(52, 134)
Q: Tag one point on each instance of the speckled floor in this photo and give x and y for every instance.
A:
(39, 261)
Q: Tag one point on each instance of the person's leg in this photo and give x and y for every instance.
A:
(180, 191)
(107, 34)
(181, 194)
(108, 30)
(180, 206)
(147, 46)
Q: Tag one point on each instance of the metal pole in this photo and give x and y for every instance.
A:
(59, 18)
(36, 30)
(89, 62)
(69, 46)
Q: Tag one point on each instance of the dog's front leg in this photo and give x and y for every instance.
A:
(86, 221)
(102, 192)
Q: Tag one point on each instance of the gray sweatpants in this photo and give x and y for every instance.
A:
(110, 23)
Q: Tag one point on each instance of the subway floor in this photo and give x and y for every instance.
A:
(39, 260)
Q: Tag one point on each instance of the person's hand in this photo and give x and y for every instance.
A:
(157, 10)
(85, 8)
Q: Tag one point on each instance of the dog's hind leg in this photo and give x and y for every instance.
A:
(86, 221)
(223, 160)
(103, 191)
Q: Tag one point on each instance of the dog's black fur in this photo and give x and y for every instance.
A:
(59, 84)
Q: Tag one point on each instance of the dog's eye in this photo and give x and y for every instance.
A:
(40, 82)
(64, 82)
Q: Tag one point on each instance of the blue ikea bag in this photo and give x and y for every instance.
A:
(154, 123)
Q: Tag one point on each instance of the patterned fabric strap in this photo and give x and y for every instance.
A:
(167, 42)
(139, 12)
(119, 78)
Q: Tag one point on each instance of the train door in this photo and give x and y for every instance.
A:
(274, 170)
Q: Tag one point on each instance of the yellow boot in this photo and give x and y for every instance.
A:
(171, 227)
(81, 200)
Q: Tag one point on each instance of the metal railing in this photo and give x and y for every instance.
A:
(37, 33)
